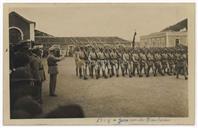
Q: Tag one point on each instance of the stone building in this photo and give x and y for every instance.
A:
(168, 37)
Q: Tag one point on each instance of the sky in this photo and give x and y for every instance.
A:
(120, 20)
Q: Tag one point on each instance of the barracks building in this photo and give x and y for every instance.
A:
(168, 37)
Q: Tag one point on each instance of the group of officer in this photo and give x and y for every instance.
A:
(26, 71)
(101, 61)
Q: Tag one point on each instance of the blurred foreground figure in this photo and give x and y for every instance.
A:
(53, 70)
(26, 107)
(69, 111)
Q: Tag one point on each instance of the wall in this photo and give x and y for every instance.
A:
(182, 36)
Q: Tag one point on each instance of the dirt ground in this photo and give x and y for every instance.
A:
(161, 96)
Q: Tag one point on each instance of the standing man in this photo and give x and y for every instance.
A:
(37, 92)
(53, 70)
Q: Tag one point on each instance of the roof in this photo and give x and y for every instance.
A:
(39, 33)
(178, 26)
(82, 40)
(14, 13)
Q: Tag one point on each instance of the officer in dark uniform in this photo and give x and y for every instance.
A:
(21, 77)
(38, 88)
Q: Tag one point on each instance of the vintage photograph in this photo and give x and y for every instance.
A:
(112, 63)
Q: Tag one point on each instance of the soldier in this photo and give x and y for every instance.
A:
(83, 57)
(38, 88)
(126, 64)
(92, 60)
(107, 61)
(53, 70)
(113, 62)
(150, 62)
(143, 63)
(119, 60)
(164, 61)
(76, 58)
(182, 64)
(21, 79)
(176, 59)
(101, 63)
(158, 65)
(171, 62)
(136, 64)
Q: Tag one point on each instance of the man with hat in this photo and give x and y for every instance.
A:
(37, 93)
(53, 70)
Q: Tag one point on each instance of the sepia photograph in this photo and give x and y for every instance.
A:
(99, 64)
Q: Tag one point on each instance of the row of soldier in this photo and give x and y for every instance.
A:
(107, 62)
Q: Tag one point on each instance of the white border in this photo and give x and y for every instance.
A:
(90, 1)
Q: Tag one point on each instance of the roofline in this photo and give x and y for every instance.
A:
(22, 17)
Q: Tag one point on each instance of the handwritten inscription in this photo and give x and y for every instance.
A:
(120, 121)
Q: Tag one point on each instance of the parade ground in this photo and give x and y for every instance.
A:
(161, 96)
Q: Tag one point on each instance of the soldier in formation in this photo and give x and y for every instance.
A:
(106, 62)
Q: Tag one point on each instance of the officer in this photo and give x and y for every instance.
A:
(38, 87)
(21, 79)
(53, 70)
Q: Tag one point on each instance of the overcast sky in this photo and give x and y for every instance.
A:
(103, 20)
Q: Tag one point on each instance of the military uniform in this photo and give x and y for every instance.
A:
(165, 64)
(107, 62)
(101, 63)
(182, 65)
(82, 63)
(143, 64)
(53, 71)
(38, 87)
(150, 63)
(114, 63)
(158, 65)
(93, 65)
(126, 64)
(171, 63)
(136, 64)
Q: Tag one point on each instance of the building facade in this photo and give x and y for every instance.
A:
(169, 37)
(20, 28)
(164, 39)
